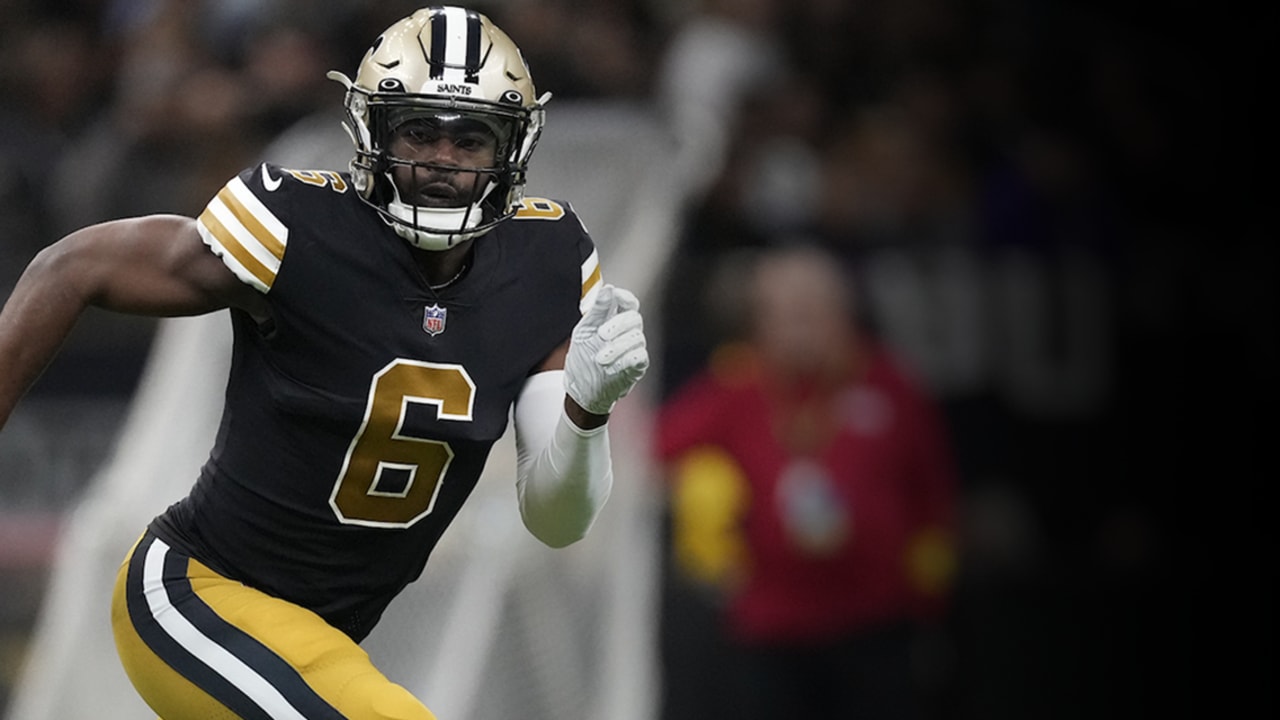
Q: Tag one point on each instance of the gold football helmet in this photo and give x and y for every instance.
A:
(449, 63)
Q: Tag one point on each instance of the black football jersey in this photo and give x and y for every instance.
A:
(358, 419)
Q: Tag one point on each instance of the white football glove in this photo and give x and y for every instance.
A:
(607, 353)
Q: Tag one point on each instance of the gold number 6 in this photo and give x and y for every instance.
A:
(360, 495)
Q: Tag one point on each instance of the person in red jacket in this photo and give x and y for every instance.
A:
(813, 482)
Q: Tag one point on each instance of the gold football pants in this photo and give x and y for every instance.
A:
(198, 646)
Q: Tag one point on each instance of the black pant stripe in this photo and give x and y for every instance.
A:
(266, 664)
(172, 653)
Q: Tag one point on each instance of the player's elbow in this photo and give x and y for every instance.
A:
(557, 530)
(559, 508)
(559, 540)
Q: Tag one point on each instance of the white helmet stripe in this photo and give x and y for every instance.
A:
(455, 44)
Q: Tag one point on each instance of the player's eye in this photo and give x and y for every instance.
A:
(472, 143)
(420, 134)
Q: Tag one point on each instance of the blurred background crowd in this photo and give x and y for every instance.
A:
(1048, 207)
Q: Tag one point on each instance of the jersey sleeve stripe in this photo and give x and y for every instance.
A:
(590, 272)
(234, 255)
(591, 281)
(261, 223)
(591, 277)
(243, 235)
(242, 231)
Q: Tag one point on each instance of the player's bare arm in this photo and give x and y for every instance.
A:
(155, 265)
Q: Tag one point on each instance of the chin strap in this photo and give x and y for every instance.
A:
(432, 235)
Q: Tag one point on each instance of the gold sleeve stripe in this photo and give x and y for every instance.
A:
(248, 237)
(233, 254)
(255, 217)
(591, 277)
(591, 281)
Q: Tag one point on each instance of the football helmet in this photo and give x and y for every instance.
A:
(446, 63)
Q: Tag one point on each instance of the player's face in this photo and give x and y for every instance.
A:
(444, 149)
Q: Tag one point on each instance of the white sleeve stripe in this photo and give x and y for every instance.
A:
(590, 265)
(242, 231)
(269, 221)
(260, 283)
(591, 277)
(244, 237)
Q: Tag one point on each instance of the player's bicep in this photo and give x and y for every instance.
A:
(154, 265)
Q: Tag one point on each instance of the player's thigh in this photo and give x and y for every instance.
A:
(197, 645)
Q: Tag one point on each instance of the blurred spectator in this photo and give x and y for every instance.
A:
(812, 482)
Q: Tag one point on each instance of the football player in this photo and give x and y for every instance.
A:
(386, 322)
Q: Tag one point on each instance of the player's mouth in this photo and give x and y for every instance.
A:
(439, 194)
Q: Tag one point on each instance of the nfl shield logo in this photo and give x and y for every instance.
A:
(433, 319)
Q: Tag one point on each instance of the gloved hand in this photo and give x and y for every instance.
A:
(607, 353)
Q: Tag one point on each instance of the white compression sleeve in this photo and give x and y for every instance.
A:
(563, 473)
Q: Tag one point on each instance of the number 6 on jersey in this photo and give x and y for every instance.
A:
(363, 494)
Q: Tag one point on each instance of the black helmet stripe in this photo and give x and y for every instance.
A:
(450, 57)
(473, 45)
(436, 59)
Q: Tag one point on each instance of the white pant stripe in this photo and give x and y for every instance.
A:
(200, 645)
